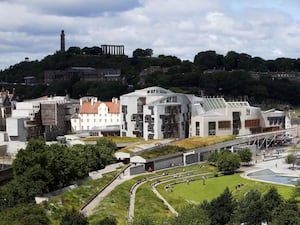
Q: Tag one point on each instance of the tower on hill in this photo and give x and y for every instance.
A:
(62, 41)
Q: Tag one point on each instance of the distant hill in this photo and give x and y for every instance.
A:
(234, 76)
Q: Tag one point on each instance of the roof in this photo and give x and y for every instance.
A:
(113, 107)
(88, 108)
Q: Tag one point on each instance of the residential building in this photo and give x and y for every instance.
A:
(96, 117)
(46, 117)
(155, 113)
(7, 103)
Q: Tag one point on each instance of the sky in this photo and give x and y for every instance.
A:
(265, 28)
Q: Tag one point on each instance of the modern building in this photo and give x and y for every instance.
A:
(155, 113)
(215, 116)
(46, 117)
(97, 118)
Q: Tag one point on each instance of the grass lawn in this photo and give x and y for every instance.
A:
(57, 206)
(197, 192)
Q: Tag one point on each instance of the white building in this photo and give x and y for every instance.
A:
(155, 113)
(215, 116)
(97, 117)
(43, 117)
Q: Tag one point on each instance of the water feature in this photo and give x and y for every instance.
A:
(269, 175)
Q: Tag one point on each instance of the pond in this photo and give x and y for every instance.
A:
(269, 175)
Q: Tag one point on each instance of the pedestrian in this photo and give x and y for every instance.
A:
(276, 165)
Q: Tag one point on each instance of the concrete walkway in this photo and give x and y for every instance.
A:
(88, 209)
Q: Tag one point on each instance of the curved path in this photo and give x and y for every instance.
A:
(179, 177)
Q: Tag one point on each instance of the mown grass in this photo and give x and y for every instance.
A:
(57, 206)
(197, 192)
(197, 142)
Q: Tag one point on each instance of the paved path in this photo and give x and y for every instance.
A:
(88, 209)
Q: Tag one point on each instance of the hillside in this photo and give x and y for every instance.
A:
(234, 76)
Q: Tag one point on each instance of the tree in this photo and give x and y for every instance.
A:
(213, 157)
(142, 52)
(290, 159)
(191, 215)
(271, 200)
(286, 213)
(228, 162)
(245, 155)
(73, 217)
(251, 209)
(221, 208)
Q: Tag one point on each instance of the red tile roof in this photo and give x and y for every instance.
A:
(88, 108)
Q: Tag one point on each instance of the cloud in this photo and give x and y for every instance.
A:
(76, 8)
(262, 28)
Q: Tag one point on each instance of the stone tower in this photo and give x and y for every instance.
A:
(62, 41)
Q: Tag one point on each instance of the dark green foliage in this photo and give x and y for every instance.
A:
(213, 157)
(191, 215)
(109, 220)
(73, 217)
(40, 168)
(245, 155)
(29, 214)
(271, 200)
(221, 209)
(228, 162)
(251, 209)
(287, 213)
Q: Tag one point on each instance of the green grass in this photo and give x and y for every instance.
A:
(57, 206)
(197, 192)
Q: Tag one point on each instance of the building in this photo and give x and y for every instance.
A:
(7, 104)
(155, 113)
(97, 118)
(84, 74)
(46, 117)
(215, 116)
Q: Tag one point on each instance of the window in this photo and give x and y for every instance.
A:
(252, 123)
(211, 128)
(224, 124)
(197, 128)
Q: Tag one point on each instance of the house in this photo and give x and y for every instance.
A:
(96, 117)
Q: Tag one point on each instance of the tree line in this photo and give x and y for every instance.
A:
(42, 168)
(229, 75)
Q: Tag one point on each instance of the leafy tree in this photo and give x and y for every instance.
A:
(222, 208)
(290, 159)
(213, 157)
(142, 52)
(73, 217)
(271, 200)
(228, 162)
(287, 213)
(251, 209)
(208, 60)
(191, 215)
(245, 155)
